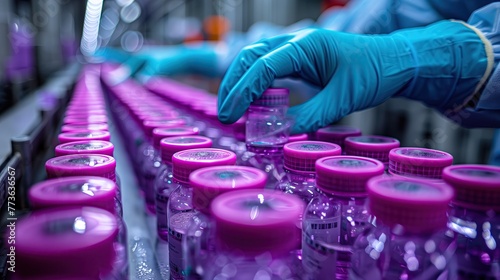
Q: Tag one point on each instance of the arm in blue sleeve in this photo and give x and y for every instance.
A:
(482, 109)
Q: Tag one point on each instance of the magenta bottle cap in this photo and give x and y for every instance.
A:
(298, 137)
(210, 182)
(185, 162)
(171, 145)
(476, 186)
(417, 205)
(149, 126)
(346, 175)
(253, 222)
(164, 132)
(74, 191)
(85, 112)
(75, 119)
(67, 242)
(301, 156)
(81, 165)
(79, 127)
(418, 162)
(84, 135)
(372, 146)
(336, 134)
(85, 147)
(273, 97)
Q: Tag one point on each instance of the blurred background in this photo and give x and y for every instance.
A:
(38, 38)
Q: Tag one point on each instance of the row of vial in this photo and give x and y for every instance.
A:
(76, 230)
(407, 240)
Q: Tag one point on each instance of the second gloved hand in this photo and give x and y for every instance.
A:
(440, 65)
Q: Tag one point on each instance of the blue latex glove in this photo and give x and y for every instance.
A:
(440, 65)
(495, 149)
(164, 60)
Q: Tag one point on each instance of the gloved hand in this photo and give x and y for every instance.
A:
(164, 60)
(440, 65)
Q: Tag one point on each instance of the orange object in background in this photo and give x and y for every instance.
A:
(215, 27)
(333, 3)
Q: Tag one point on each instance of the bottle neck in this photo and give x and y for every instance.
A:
(345, 199)
(299, 176)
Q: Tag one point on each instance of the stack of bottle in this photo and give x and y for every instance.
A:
(76, 230)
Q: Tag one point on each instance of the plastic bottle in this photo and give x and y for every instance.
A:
(371, 146)
(255, 232)
(299, 165)
(267, 130)
(69, 243)
(336, 134)
(84, 135)
(474, 219)
(334, 219)
(164, 183)
(207, 184)
(420, 163)
(85, 147)
(408, 238)
(180, 203)
(152, 164)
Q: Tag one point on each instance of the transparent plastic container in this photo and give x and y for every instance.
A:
(475, 220)
(336, 134)
(371, 146)
(85, 147)
(70, 243)
(333, 220)
(407, 240)
(299, 165)
(256, 230)
(180, 203)
(207, 184)
(83, 136)
(164, 182)
(152, 163)
(420, 163)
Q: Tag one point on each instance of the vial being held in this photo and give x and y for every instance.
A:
(408, 239)
(420, 163)
(474, 219)
(69, 243)
(180, 203)
(164, 182)
(334, 219)
(267, 130)
(207, 184)
(299, 165)
(256, 231)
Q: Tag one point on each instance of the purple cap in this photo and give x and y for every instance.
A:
(346, 175)
(75, 119)
(164, 132)
(67, 242)
(74, 191)
(418, 205)
(84, 135)
(81, 165)
(476, 186)
(85, 147)
(80, 127)
(171, 145)
(336, 134)
(185, 162)
(210, 182)
(85, 112)
(372, 146)
(257, 221)
(302, 155)
(273, 97)
(149, 126)
(418, 162)
(298, 137)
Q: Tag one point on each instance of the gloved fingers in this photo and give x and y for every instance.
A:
(312, 115)
(279, 63)
(244, 60)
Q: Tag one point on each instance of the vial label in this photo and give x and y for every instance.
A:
(179, 224)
